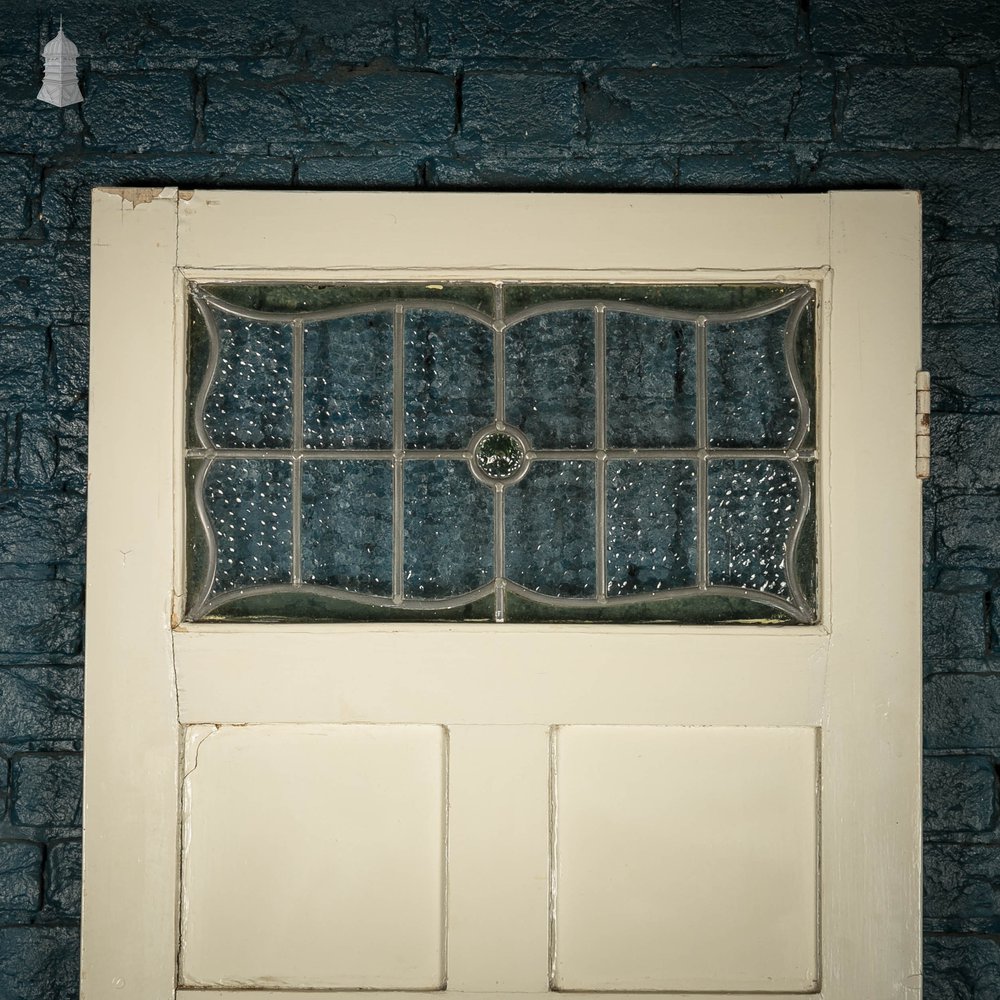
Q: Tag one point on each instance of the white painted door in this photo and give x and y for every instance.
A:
(504, 808)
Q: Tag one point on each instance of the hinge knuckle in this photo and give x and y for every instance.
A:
(923, 425)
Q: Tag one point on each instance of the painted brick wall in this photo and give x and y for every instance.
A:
(494, 94)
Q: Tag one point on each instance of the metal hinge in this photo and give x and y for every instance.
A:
(923, 425)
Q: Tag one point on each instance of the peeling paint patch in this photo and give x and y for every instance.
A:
(139, 196)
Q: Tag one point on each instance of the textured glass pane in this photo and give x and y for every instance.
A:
(706, 608)
(347, 382)
(250, 400)
(805, 361)
(448, 537)
(550, 379)
(752, 507)
(652, 382)
(683, 298)
(249, 506)
(449, 379)
(751, 401)
(550, 542)
(298, 298)
(652, 518)
(347, 525)
(301, 605)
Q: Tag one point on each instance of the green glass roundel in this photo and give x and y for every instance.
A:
(499, 456)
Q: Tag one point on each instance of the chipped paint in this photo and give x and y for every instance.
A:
(136, 196)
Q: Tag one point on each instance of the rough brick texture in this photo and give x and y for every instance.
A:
(638, 95)
(960, 967)
(46, 789)
(39, 962)
(20, 877)
(894, 107)
(962, 888)
(960, 795)
(62, 878)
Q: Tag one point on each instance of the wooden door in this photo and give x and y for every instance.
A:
(517, 806)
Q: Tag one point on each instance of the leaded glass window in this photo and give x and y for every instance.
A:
(501, 451)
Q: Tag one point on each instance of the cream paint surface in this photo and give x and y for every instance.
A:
(685, 858)
(855, 678)
(314, 855)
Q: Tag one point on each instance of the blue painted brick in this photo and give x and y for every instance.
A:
(41, 703)
(37, 451)
(39, 963)
(42, 283)
(958, 967)
(20, 876)
(52, 450)
(291, 34)
(960, 794)
(40, 527)
(967, 449)
(962, 888)
(961, 281)
(710, 105)
(8, 448)
(962, 712)
(895, 27)
(964, 362)
(357, 111)
(23, 370)
(46, 789)
(390, 170)
(62, 877)
(903, 107)
(40, 617)
(948, 578)
(17, 183)
(20, 30)
(29, 125)
(135, 114)
(954, 625)
(624, 33)
(71, 347)
(168, 32)
(984, 102)
(737, 171)
(20, 77)
(500, 169)
(968, 531)
(520, 108)
(738, 27)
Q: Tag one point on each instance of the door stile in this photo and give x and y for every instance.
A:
(130, 723)
(871, 727)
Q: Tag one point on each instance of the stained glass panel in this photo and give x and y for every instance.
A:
(507, 451)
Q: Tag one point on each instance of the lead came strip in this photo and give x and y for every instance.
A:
(398, 445)
(298, 352)
(701, 402)
(500, 404)
(601, 442)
